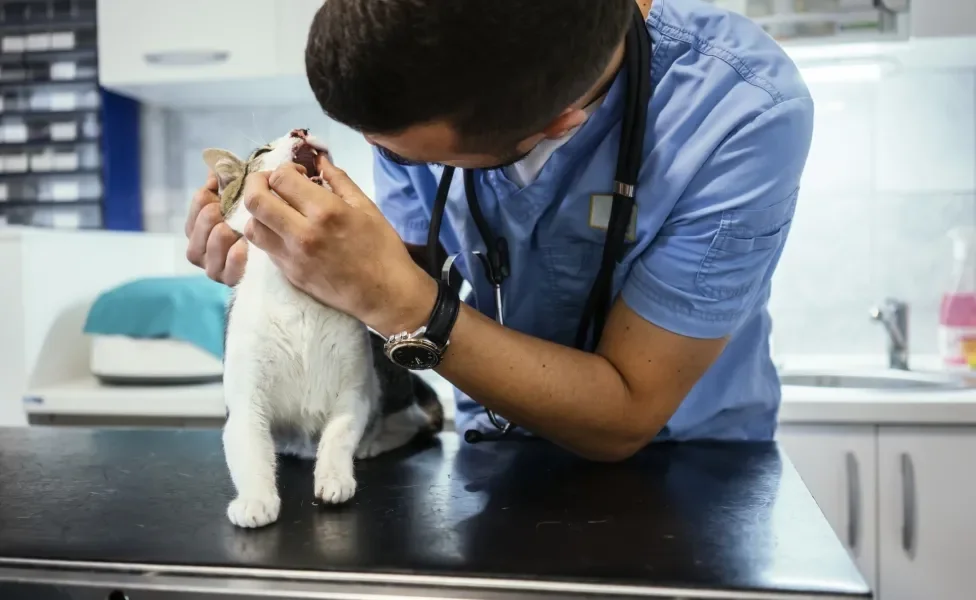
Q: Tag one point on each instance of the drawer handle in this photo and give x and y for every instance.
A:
(188, 58)
(853, 501)
(908, 537)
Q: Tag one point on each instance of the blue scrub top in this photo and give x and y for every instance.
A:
(728, 131)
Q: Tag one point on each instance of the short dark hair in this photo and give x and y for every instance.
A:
(496, 70)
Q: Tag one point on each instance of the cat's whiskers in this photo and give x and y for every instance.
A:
(248, 138)
(257, 130)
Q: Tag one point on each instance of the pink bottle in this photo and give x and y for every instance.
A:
(957, 317)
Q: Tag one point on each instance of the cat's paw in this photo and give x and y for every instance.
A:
(254, 511)
(334, 486)
(368, 449)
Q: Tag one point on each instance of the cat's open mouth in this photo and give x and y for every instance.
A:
(308, 156)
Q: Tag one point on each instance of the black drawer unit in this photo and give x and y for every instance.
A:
(68, 149)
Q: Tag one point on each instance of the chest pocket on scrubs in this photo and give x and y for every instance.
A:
(572, 251)
(747, 242)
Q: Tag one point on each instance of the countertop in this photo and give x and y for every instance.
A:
(86, 397)
(914, 407)
(695, 520)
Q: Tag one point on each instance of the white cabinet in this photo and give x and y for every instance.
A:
(826, 21)
(192, 53)
(838, 464)
(901, 498)
(293, 20)
(830, 21)
(152, 42)
(943, 18)
(927, 499)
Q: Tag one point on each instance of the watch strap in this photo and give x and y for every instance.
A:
(445, 313)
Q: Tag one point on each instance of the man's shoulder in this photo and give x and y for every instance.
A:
(726, 50)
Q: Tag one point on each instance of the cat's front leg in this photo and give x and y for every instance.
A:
(250, 455)
(334, 479)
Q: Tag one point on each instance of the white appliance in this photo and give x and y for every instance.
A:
(121, 360)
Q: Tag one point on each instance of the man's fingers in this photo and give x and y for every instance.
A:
(203, 197)
(236, 261)
(221, 239)
(343, 185)
(199, 234)
(268, 208)
(291, 184)
(264, 238)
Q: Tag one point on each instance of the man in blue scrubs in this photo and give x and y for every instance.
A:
(531, 94)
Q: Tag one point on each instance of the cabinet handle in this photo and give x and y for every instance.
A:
(908, 505)
(188, 58)
(853, 501)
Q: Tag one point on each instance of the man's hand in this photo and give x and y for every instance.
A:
(213, 245)
(337, 247)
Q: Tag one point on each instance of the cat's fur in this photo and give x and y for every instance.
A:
(301, 378)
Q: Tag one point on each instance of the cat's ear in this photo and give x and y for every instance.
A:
(225, 165)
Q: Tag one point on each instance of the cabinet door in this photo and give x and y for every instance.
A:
(838, 464)
(148, 41)
(927, 489)
(294, 18)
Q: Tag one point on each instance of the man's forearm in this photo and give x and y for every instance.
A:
(573, 398)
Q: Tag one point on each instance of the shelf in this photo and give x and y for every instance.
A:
(77, 24)
(56, 83)
(42, 145)
(8, 177)
(49, 114)
(88, 396)
(47, 204)
(30, 56)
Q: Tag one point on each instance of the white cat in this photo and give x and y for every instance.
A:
(299, 377)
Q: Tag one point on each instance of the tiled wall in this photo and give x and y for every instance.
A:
(892, 169)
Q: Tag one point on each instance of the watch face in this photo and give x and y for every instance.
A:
(416, 357)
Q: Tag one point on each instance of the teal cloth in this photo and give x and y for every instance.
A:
(192, 309)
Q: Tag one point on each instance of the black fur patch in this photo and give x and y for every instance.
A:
(399, 388)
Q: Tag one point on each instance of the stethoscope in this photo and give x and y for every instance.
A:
(495, 259)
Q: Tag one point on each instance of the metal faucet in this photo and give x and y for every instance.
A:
(893, 314)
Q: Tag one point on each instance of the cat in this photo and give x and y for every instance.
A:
(300, 378)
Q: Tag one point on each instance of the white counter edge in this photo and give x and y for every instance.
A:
(88, 397)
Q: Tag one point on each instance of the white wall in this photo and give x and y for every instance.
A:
(893, 167)
(50, 279)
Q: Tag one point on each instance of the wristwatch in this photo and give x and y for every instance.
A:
(424, 348)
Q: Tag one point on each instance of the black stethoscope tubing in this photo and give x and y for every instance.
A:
(496, 261)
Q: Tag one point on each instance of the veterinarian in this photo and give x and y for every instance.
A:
(515, 110)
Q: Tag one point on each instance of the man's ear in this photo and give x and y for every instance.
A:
(225, 165)
(564, 123)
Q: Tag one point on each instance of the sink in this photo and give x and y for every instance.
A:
(875, 380)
